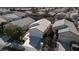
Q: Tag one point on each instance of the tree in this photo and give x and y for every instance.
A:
(34, 10)
(50, 19)
(69, 19)
(48, 38)
(1, 27)
(14, 32)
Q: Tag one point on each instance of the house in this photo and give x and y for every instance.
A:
(71, 12)
(75, 47)
(42, 9)
(2, 20)
(67, 32)
(20, 14)
(26, 44)
(4, 10)
(33, 38)
(2, 43)
(28, 12)
(23, 23)
(10, 17)
(13, 47)
(60, 16)
(74, 10)
(39, 27)
(36, 31)
(51, 13)
(58, 10)
(23, 8)
(60, 47)
(26, 8)
(41, 13)
(74, 16)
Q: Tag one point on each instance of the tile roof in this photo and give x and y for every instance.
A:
(43, 24)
